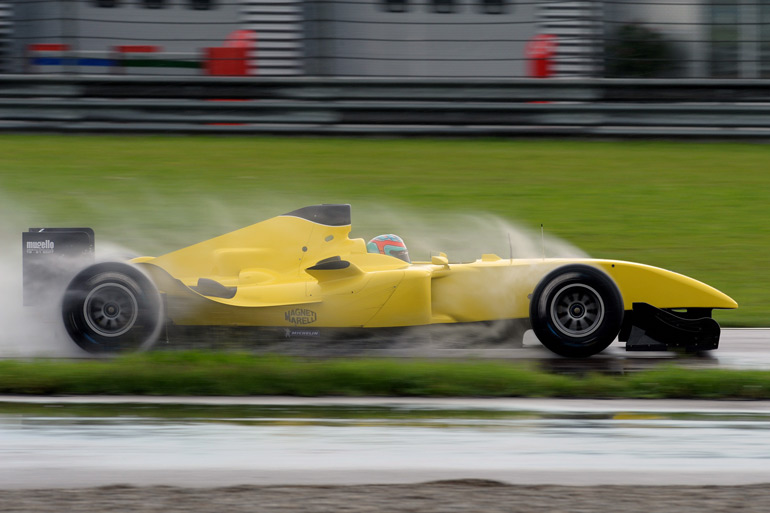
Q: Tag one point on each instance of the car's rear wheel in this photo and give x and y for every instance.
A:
(576, 311)
(112, 307)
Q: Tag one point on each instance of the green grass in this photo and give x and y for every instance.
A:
(701, 209)
(303, 414)
(232, 374)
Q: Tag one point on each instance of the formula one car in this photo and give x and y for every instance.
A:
(301, 273)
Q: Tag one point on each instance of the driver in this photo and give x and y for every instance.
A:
(389, 244)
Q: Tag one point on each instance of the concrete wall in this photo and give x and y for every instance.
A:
(364, 39)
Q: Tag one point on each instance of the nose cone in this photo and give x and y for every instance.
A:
(727, 301)
(664, 289)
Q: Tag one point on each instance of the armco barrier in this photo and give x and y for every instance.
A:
(536, 107)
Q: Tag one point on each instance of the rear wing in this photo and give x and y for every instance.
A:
(50, 258)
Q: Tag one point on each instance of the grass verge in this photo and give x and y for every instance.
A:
(236, 374)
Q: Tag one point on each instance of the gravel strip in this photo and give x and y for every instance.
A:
(478, 496)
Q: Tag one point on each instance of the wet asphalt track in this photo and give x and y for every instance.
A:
(573, 442)
(739, 348)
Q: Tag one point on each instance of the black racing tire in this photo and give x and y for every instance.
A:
(576, 311)
(112, 307)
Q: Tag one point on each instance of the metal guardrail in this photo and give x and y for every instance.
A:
(528, 107)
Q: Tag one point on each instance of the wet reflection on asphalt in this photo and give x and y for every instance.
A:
(271, 446)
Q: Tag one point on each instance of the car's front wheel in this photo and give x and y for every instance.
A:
(576, 311)
(112, 307)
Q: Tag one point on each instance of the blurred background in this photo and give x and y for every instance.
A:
(389, 38)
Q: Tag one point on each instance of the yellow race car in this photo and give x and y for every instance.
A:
(301, 274)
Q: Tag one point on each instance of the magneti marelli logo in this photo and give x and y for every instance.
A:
(40, 246)
(300, 316)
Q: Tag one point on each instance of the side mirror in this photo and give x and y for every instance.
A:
(440, 259)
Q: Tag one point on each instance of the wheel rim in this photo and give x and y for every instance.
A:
(577, 310)
(110, 309)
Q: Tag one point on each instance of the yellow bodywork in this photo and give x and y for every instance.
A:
(272, 267)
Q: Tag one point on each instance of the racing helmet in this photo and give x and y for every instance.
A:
(389, 244)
